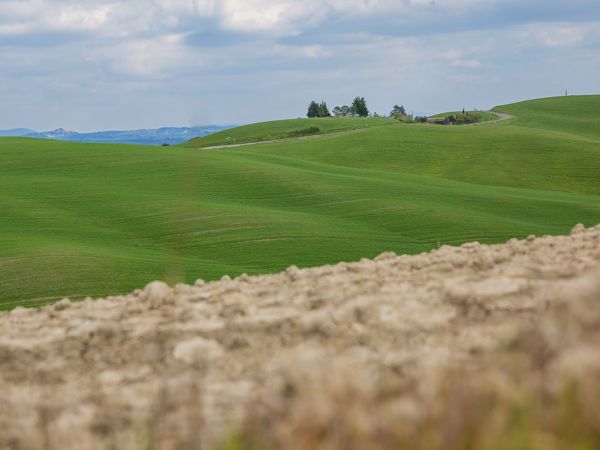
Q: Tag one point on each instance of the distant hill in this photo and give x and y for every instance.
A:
(291, 128)
(16, 132)
(167, 135)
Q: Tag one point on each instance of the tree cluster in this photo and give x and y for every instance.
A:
(343, 111)
(398, 112)
(357, 109)
(318, 110)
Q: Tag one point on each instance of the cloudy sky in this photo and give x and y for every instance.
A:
(93, 65)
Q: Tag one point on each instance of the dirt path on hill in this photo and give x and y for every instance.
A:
(370, 344)
(501, 117)
(316, 136)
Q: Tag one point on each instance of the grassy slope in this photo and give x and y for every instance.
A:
(578, 115)
(281, 129)
(97, 219)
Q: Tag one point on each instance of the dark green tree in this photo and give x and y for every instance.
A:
(339, 111)
(398, 112)
(313, 109)
(359, 107)
(323, 110)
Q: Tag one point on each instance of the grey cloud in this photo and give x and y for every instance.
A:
(189, 70)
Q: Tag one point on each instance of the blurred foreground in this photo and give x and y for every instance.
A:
(474, 347)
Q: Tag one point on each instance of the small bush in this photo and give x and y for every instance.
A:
(466, 118)
(304, 132)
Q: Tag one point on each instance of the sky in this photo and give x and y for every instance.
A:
(92, 65)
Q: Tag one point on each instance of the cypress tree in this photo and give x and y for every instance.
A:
(313, 110)
(323, 110)
(359, 107)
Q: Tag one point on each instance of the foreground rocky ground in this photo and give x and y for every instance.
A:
(472, 347)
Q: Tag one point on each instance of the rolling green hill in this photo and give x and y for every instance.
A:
(577, 114)
(286, 129)
(87, 219)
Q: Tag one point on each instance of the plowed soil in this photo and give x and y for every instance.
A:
(185, 366)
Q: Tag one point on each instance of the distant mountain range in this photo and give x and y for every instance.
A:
(16, 132)
(160, 136)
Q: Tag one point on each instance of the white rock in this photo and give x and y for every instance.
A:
(65, 303)
(156, 293)
(578, 229)
(197, 350)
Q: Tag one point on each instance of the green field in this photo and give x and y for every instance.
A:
(89, 219)
(285, 129)
(577, 115)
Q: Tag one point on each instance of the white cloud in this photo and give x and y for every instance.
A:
(13, 29)
(272, 17)
(281, 17)
(558, 34)
(155, 57)
(79, 18)
(562, 36)
(457, 59)
(466, 63)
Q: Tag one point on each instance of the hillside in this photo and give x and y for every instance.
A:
(91, 220)
(577, 115)
(474, 347)
(286, 129)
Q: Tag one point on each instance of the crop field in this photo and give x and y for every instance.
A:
(90, 220)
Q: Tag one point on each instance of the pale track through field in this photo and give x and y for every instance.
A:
(501, 117)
